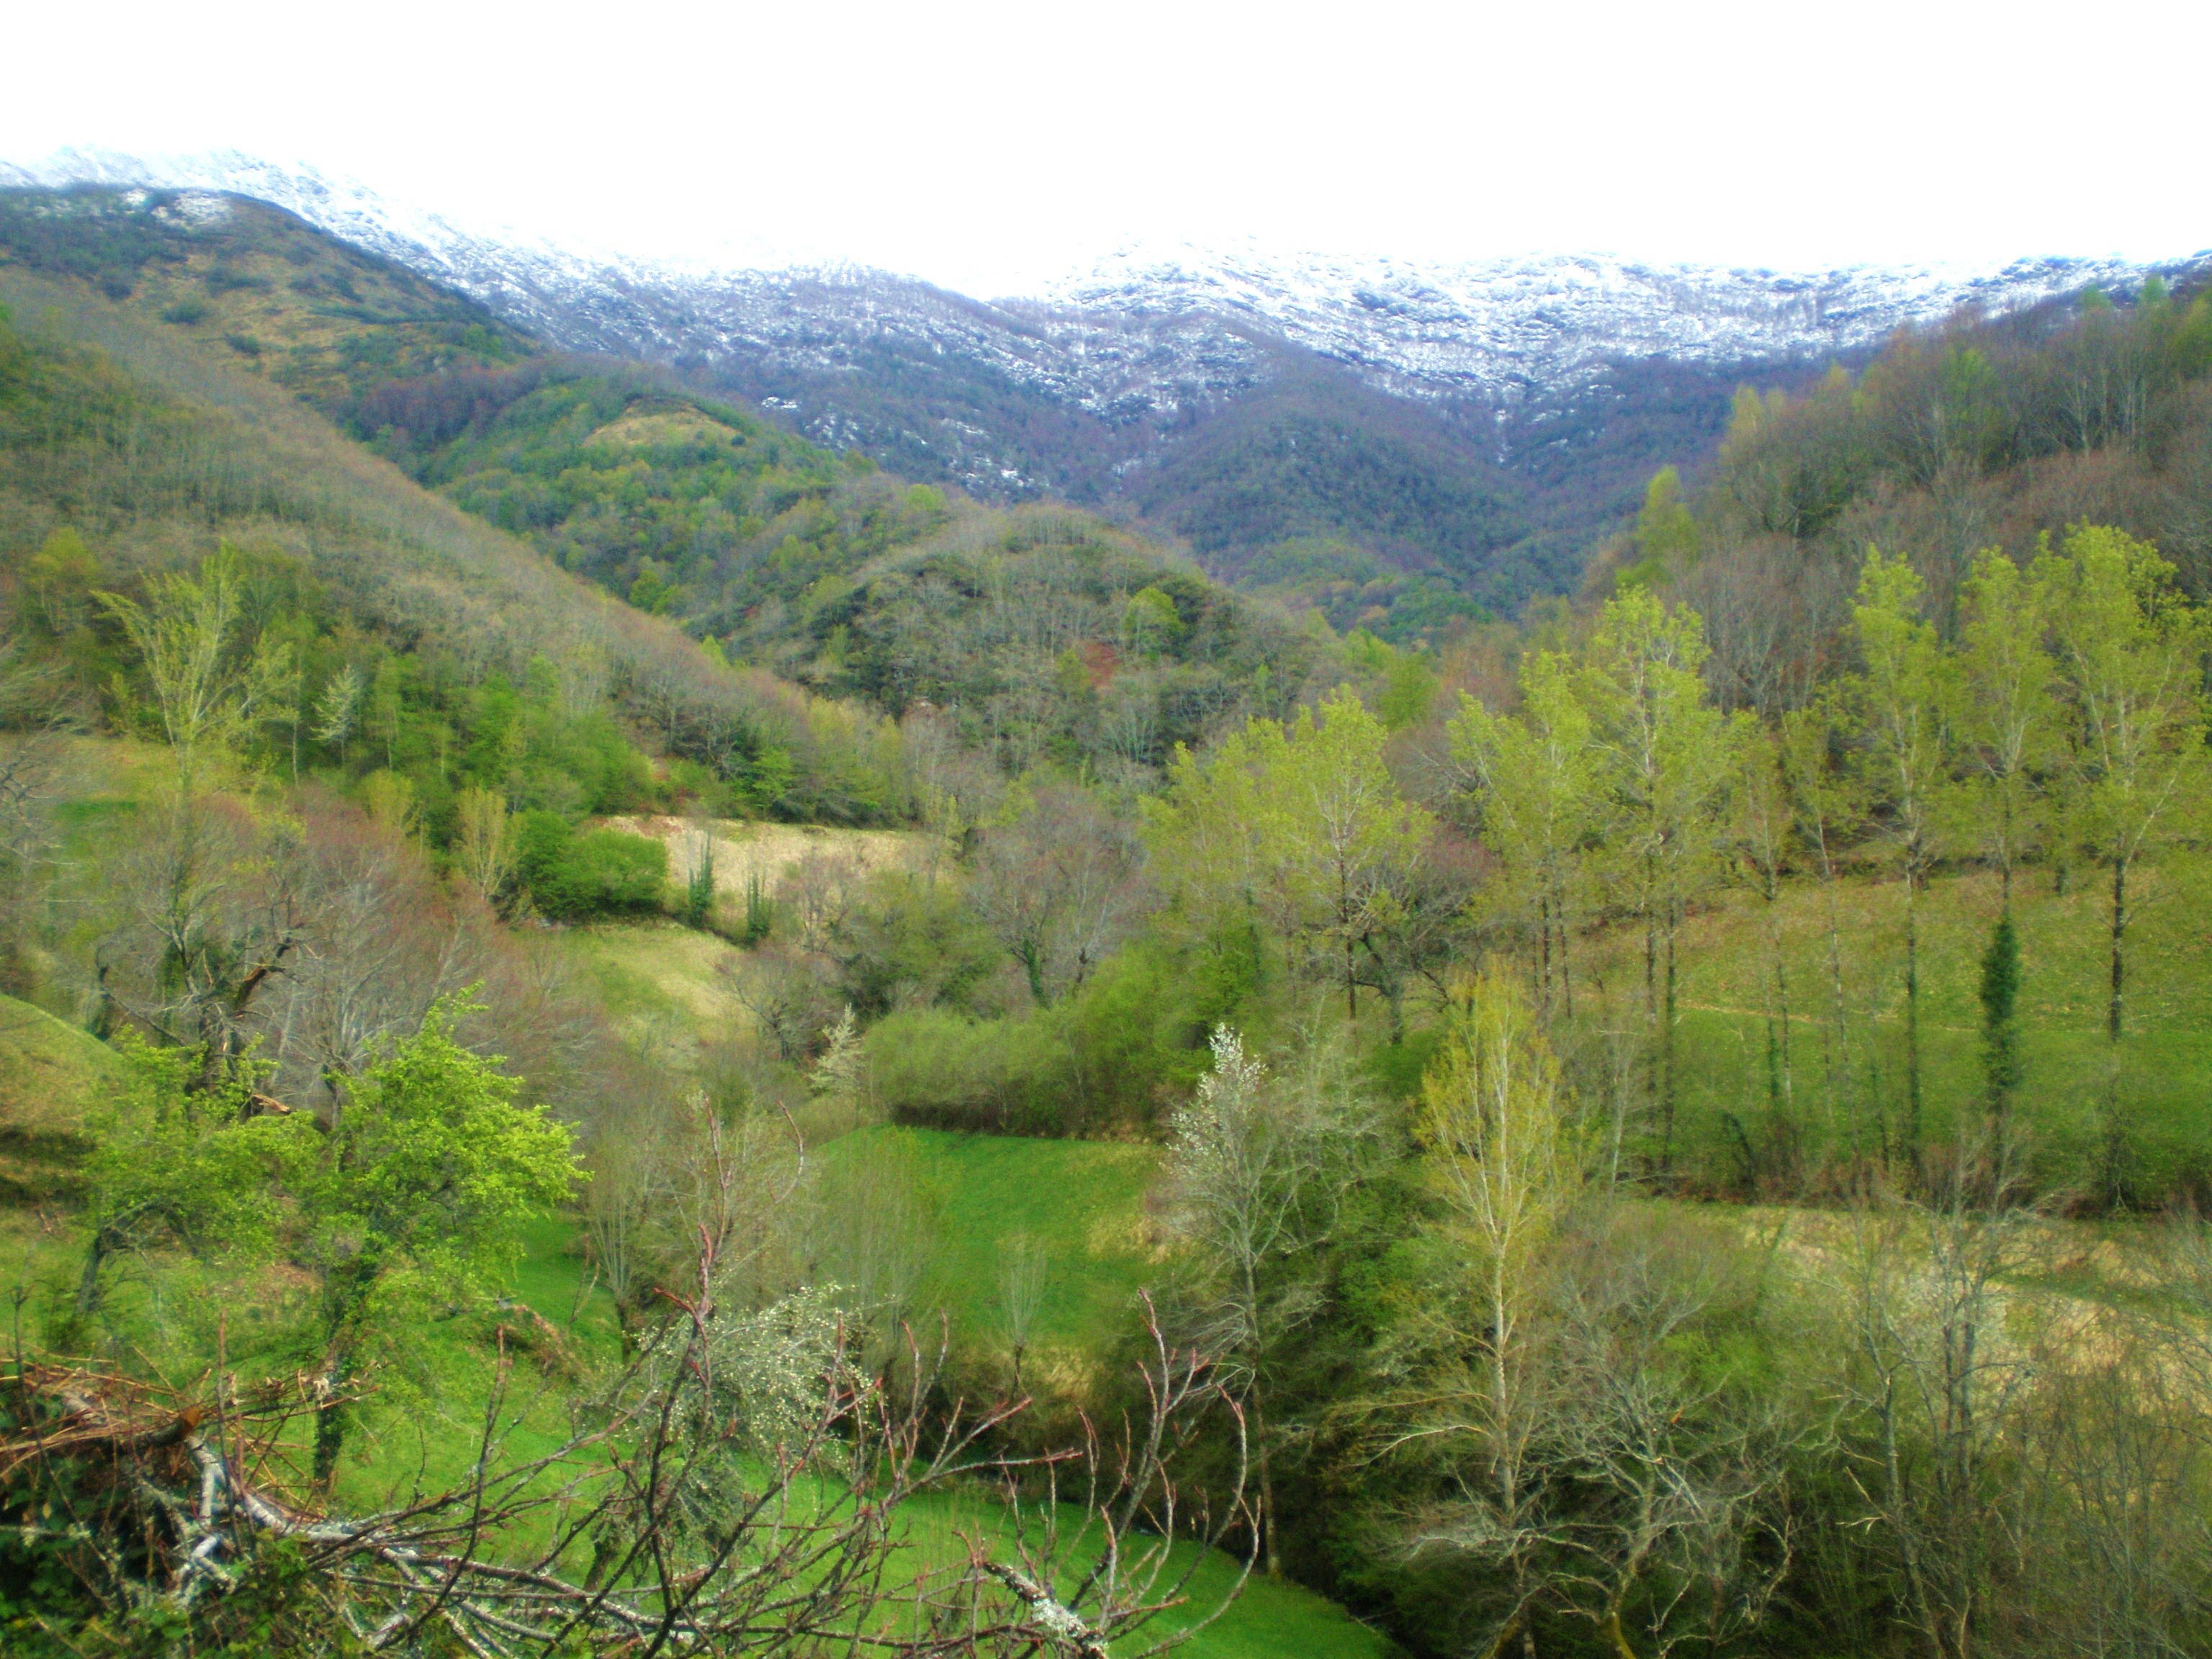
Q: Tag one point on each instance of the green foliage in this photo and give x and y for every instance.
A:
(574, 877)
(1666, 533)
(908, 940)
(431, 1165)
(1407, 688)
(760, 911)
(1354, 589)
(183, 1164)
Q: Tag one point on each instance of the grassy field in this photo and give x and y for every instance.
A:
(1845, 1078)
(52, 1077)
(1081, 1202)
(669, 987)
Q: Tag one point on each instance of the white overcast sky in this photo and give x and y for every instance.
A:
(990, 146)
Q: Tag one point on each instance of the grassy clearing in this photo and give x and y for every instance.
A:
(1844, 1081)
(1268, 1618)
(746, 851)
(669, 989)
(1083, 1201)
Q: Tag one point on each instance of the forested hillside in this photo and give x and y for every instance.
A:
(676, 1040)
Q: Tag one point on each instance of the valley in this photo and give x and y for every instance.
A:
(1361, 960)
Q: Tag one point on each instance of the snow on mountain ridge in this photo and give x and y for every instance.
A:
(1157, 326)
(1484, 326)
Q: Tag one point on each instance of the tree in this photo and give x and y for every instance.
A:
(1507, 1166)
(1827, 803)
(1537, 780)
(1025, 1271)
(178, 1165)
(1256, 1168)
(2006, 716)
(1762, 825)
(1058, 888)
(1666, 533)
(1338, 844)
(208, 687)
(426, 1176)
(2132, 649)
(484, 845)
(2000, 998)
(1903, 693)
(1666, 757)
(1300, 826)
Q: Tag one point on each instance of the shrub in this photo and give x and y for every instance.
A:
(942, 1070)
(573, 877)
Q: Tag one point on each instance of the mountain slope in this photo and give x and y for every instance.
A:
(154, 446)
(1534, 396)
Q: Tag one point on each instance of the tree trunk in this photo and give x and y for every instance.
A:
(1666, 1047)
(2116, 1173)
(2114, 1022)
(330, 1423)
(87, 1286)
(1271, 1556)
(1912, 1136)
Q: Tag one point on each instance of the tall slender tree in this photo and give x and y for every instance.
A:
(1903, 693)
(1762, 822)
(1536, 783)
(1664, 748)
(2005, 714)
(2132, 649)
(1828, 805)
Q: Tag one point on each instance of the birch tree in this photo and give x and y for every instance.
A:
(1665, 753)
(2006, 714)
(2133, 651)
(1535, 780)
(1903, 693)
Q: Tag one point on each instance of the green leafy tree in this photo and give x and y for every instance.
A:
(182, 1166)
(1827, 800)
(1762, 824)
(1300, 827)
(1537, 784)
(1338, 842)
(426, 1177)
(1903, 693)
(208, 684)
(2006, 714)
(1666, 767)
(1665, 531)
(2132, 649)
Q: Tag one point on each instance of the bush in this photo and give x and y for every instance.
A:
(573, 877)
(941, 1070)
(910, 942)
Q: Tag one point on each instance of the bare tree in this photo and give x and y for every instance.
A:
(1025, 1272)
(1257, 1167)
(1058, 888)
(694, 1484)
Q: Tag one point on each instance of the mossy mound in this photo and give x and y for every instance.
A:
(53, 1077)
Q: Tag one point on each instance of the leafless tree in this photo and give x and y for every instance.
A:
(1258, 1166)
(1059, 888)
(694, 1484)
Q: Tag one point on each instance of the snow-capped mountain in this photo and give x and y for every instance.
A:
(1521, 401)
(1154, 324)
